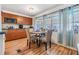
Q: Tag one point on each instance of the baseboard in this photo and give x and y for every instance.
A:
(66, 46)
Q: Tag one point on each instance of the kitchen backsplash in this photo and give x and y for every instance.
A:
(14, 26)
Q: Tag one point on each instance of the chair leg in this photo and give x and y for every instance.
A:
(37, 43)
(45, 46)
(27, 42)
(50, 44)
(77, 53)
(29, 45)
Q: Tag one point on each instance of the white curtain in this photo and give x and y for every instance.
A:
(55, 27)
(65, 25)
(76, 26)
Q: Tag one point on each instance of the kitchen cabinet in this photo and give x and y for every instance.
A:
(15, 34)
(7, 15)
(19, 19)
(24, 20)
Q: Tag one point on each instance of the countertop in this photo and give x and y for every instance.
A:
(14, 28)
(2, 33)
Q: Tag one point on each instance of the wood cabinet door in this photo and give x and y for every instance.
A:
(19, 19)
(24, 20)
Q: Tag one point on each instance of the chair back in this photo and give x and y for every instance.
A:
(49, 34)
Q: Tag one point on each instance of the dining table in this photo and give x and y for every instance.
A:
(38, 36)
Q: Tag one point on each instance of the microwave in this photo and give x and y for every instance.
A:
(10, 20)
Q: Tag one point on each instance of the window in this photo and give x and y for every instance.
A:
(38, 23)
(55, 22)
(47, 23)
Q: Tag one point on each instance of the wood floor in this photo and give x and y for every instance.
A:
(54, 50)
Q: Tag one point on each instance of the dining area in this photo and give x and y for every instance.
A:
(41, 37)
(19, 40)
(55, 32)
(30, 42)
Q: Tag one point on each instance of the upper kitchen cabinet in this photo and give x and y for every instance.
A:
(9, 18)
(15, 19)
(24, 20)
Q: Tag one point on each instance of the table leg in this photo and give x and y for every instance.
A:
(38, 42)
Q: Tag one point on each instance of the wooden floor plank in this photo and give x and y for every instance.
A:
(54, 50)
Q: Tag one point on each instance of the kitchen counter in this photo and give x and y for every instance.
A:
(14, 28)
(15, 34)
(5, 30)
(2, 33)
(2, 43)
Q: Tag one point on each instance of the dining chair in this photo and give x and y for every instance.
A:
(29, 40)
(32, 35)
(33, 38)
(47, 39)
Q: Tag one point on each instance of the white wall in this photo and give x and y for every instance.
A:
(76, 40)
(1, 45)
(1, 36)
(0, 20)
(55, 37)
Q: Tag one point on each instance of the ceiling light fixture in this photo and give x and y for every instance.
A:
(32, 9)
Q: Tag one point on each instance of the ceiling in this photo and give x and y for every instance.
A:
(27, 9)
